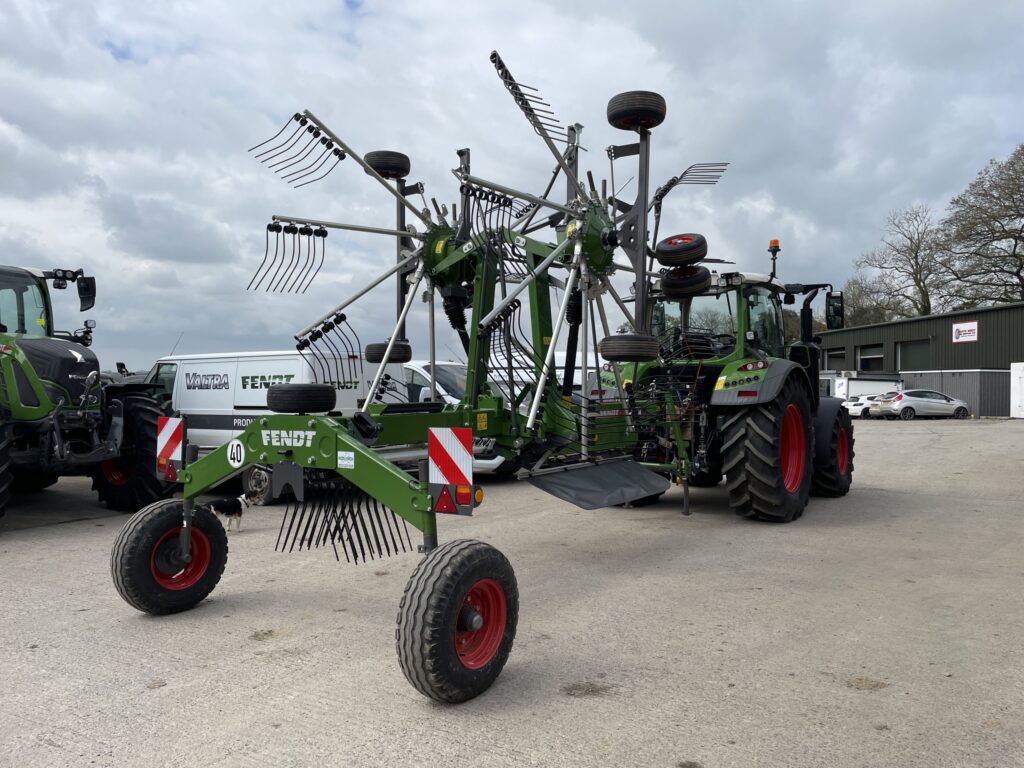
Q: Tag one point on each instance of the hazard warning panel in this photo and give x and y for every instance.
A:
(170, 438)
(450, 475)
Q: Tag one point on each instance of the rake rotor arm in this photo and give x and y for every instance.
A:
(380, 279)
(493, 185)
(359, 159)
(348, 227)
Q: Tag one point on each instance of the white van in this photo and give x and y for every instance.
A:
(221, 394)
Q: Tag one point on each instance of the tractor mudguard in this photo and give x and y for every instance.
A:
(767, 388)
(824, 419)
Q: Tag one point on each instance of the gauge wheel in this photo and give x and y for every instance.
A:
(457, 620)
(145, 561)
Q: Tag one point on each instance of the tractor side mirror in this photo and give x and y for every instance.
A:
(86, 293)
(788, 298)
(834, 318)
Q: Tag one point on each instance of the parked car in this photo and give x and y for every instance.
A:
(919, 402)
(859, 406)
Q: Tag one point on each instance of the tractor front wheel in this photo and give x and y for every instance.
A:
(146, 565)
(457, 621)
(130, 482)
(768, 450)
(833, 477)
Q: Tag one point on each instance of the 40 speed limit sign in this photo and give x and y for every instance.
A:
(236, 454)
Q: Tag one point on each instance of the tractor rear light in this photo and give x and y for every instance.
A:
(747, 393)
(754, 366)
(463, 495)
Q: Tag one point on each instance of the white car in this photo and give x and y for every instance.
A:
(919, 402)
(859, 406)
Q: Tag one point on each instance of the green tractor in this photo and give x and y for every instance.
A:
(724, 399)
(58, 414)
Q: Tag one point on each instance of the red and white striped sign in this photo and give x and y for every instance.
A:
(169, 433)
(450, 451)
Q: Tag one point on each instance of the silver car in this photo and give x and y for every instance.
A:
(919, 402)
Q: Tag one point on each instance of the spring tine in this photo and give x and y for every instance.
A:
(296, 117)
(338, 159)
(308, 267)
(280, 533)
(278, 240)
(266, 255)
(291, 178)
(322, 234)
(285, 231)
(330, 358)
(294, 508)
(308, 150)
(294, 255)
(382, 520)
(374, 520)
(290, 148)
(372, 545)
(306, 236)
(282, 148)
(307, 169)
(346, 356)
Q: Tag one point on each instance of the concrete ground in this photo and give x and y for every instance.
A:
(885, 628)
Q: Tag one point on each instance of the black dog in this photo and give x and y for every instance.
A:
(232, 509)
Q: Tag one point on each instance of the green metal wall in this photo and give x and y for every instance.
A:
(1000, 341)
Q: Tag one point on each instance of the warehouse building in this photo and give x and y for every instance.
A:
(964, 354)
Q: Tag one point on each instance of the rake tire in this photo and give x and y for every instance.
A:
(400, 353)
(681, 250)
(139, 566)
(431, 632)
(636, 109)
(768, 467)
(681, 282)
(301, 398)
(387, 164)
(629, 348)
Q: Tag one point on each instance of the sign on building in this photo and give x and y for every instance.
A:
(963, 332)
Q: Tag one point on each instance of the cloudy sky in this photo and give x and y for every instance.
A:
(124, 128)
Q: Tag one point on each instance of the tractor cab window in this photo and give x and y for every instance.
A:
(766, 321)
(695, 327)
(22, 306)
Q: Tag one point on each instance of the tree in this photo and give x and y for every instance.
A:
(985, 229)
(910, 270)
(867, 300)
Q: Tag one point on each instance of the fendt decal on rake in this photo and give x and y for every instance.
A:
(701, 386)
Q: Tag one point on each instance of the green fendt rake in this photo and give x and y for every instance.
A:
(595, 435)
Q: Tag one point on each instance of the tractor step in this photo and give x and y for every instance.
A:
(605, 484)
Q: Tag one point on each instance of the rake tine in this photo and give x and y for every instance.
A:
(350, 348)
(324, 152)
(322, 234)
(335, 353)
(381, 526)
(304, 236)
(371, 506)
(286, 230)
(278, 242)
(295, 254)
(306, 232)
(266, 254)
(294, 510)
(284, 145)
(297, 117)
(313, 167)
(307, 268)
(310, 146)
(339, 158)
(294, 141)
(367, 524)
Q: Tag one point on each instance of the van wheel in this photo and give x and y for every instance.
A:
(256, 484)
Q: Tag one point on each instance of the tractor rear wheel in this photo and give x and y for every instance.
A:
(129, 482)
(833, 478)
(400, 353)
(145, 566)
(768, 451)
(5, 469)
(457, 621)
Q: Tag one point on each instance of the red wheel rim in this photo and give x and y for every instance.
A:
(680, 240)
(114, 473)
(477, 648)
(199, 548)
(843, 451)
(794, 448)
